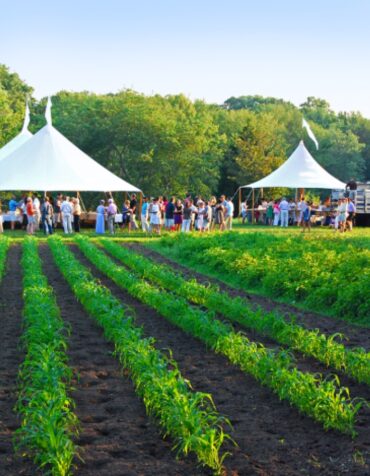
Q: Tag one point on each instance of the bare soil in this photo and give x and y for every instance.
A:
(117, 437)
(272, 437)
(11, 356)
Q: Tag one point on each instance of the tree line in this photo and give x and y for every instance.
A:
(172, 145)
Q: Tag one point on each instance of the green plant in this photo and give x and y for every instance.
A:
(297, 269)
(48, 423)
(188, 417)
(4, 246)
(356, 363)
(322, 400)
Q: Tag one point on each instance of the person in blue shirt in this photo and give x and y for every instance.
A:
(13, 205)
(144, 215)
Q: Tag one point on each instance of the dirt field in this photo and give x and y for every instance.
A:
(117, 437)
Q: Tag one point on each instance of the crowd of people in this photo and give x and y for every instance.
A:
(171, 214)
(174, 214)
(304, 213)
(45, 214)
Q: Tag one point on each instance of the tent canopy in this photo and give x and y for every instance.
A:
(16, 142)
(49, 161)
(300, 170)
(20, 139)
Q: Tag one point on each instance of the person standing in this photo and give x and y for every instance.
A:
(144, 215)
(276, 211)
(178, 212)
(47, 216)
(202, 216)
(244, 211)
(57, 213)
(351, 210)
(270, 213)
(30, 216)
(155, 216)
(133, 208)
(126, 215)
(306, 217)
(169, 214)
(100, 218)
(111, 212)
(13, 205)
(188, 211)
(66, 212)
(284, 212)
(342, 214)
(229, 214)
(352, 188)
(76, 214)
(37, 212)
(292, 212)
(22, 205)
(220, 213)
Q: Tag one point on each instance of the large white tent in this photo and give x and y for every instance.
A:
(50, 162)
(300, 170)
(19, 139)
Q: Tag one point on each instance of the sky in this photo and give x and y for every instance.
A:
(210, 50)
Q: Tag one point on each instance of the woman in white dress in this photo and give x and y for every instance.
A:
(342, 213)
(155, 216)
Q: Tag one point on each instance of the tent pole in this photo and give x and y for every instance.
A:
(252, 206)
(81, 201)
(140, 203)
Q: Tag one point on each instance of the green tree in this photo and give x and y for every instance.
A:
(13, 94)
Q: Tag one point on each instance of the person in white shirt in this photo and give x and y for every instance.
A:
(229, 214)
(66, 210)
(302, 205)
(284, 212)
(37, 212)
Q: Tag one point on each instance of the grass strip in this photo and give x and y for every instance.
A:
(321, 400)
(188, 417)
(48, 422)
(355, 363)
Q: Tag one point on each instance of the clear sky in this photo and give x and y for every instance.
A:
(207, 49)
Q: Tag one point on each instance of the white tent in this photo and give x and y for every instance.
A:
(18, 140)
(300, 170)
(50, 162)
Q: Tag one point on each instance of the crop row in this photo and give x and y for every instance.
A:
(322, 400)
(188, 417)
(355, 363)
(308, 271)
(4, 245)
(48, 422)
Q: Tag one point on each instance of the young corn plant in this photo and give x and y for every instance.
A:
(190, 418)
(323, 401)
(355, 363)
(49, 425)
(4, 246)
